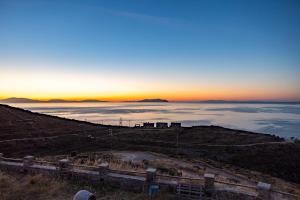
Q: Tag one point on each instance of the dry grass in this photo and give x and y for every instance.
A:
(233, 196)
(94, 159)
(31, 187)
(38, 187)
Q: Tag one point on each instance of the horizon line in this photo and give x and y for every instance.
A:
(162, 99)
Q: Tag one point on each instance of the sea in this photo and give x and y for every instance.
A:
(279, 119)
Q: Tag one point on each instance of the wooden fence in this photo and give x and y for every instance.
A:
(184, 187)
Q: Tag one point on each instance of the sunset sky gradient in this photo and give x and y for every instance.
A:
(135, 49)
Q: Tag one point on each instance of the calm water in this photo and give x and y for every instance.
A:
(280, 119)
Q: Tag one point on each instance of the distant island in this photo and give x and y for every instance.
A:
(153, 100)
(26, 100)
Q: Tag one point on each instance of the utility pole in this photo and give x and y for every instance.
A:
(110, 132)
(177, 141)
(120, 122)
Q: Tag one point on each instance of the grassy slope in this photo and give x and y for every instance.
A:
(280, 160)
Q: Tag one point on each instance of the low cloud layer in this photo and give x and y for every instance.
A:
(196, 122)
(104, 110)
(286, 123)
(289, 128)
(281, 109)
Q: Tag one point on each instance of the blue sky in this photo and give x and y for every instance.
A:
(215, 45)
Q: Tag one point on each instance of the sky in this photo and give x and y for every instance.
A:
(134, 49)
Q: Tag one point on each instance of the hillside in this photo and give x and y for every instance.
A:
(23, 132)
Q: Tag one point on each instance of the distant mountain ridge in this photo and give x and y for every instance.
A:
(19, 100)
(246, 102)
(26, 100)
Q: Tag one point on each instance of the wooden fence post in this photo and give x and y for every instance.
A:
(151, 185)
(209, 184)
(151, 175)
(103, 170)
(264, 191)
(63, 167)
(27, 162)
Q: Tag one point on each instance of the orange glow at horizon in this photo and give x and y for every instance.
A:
(132, 97)
(170, 96)
(49, 85)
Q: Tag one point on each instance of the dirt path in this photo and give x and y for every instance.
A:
(37, 138)
(245, 145)
(138, 157)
